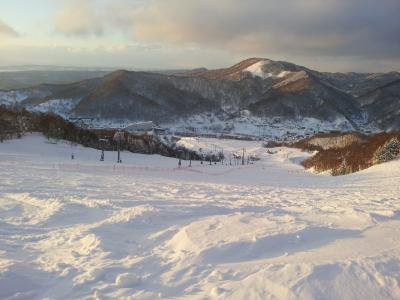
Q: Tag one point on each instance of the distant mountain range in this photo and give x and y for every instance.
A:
(18, 77)
(254, 93)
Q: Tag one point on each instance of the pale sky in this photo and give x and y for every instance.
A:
(327, 35)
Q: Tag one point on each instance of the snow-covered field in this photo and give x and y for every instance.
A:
(84, 229)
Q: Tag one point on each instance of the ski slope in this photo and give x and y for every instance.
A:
(146, 229)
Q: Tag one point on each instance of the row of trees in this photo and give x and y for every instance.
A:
(15, 122)
(374, 149)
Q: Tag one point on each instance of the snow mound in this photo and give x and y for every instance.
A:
(127, 280)
(18, 209)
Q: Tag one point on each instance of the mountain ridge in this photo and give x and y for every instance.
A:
(265, 88)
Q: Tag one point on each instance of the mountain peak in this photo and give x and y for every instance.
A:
(256, 67)
(234, 72)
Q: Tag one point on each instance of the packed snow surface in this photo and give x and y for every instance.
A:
(145, 229)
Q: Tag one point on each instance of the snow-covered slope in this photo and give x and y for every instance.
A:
(144, 229)
(257, 69)
(14, 97)
(267, 69)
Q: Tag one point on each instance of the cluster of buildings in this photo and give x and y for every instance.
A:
(137, 128)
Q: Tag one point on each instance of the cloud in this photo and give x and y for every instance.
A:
(364, 28)
(7, 31)
(329, 34)
(302, 27)
(80, 17)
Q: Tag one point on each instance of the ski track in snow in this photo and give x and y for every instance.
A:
(146, 229)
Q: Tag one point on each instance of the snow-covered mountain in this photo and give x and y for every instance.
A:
(255, 93)
(383, 105)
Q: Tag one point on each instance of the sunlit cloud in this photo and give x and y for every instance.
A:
(79, 18)
(7, 31)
